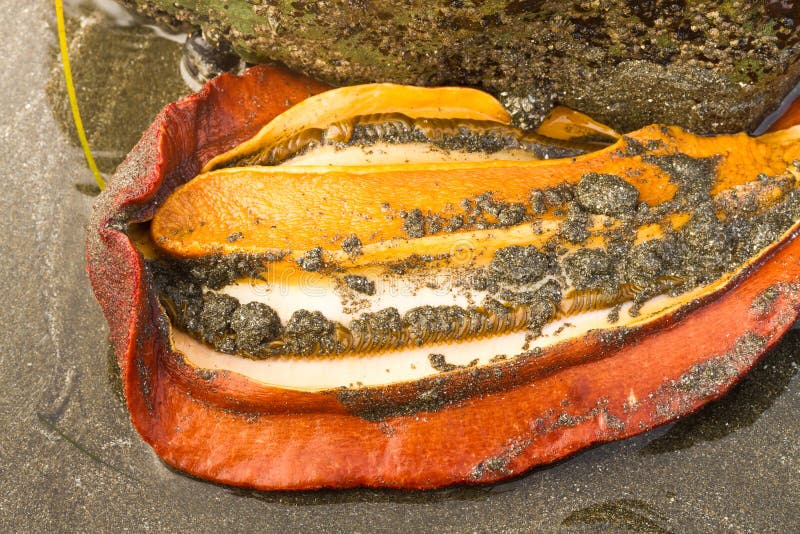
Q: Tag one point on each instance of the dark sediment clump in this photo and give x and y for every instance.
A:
(181, 294)
(496, 308)
(234, 237)
(574, 228)
(360, 284)
(456, 222)
(413, 263)
(652, 268)
(693, 176)
(414, 223)
(707, 244)
(352, 245)
(253, 329)
(255, 325)
(218, 270)
(754, 233)
(592, 269)
(309, 332)
(213, 271)
(481, 213)
(511, 214)
(439, 363)
(543, 309)
(488, 212)
(558, 196)
(519, 264)
(537, 202)
(720, 235)
(312, 260)
(383, 328)
(542, 303)
(550, 290)
(632, 147)
(650, 260)
(205, 314)
(426, 323)
(735, 203)
(215, 321)
(606, 194)
(434, 224)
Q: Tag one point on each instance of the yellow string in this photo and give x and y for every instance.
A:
(73, 99)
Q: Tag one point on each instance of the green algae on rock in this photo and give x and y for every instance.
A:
(707, 66)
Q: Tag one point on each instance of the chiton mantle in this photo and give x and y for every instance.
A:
(631, 284)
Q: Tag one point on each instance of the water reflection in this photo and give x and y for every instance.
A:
(113, 375)
(372, 495)
(621, 514)
(124, 72)
(740, 408)
(87, 189)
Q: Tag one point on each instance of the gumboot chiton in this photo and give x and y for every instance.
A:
(470, 423)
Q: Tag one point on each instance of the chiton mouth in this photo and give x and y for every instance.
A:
(377, 268)
(393, 286)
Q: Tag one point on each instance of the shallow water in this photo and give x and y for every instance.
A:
(70, 460)
(125, 71)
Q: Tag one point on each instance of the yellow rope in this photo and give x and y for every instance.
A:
(73, 99)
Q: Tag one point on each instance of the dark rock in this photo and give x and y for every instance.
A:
(711, 67)
(204, 61)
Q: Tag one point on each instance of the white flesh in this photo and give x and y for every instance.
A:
(344, 305)
(387, 154)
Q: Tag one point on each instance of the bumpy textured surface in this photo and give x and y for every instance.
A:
(709, 66)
